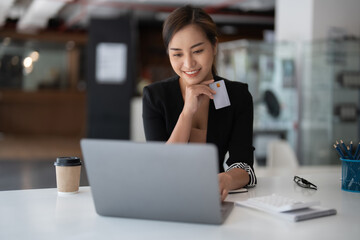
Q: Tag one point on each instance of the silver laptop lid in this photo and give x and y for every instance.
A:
(153, 180)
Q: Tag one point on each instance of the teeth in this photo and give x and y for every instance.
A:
(192, 72)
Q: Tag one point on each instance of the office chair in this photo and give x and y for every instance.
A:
(136, 123)
(280, 155)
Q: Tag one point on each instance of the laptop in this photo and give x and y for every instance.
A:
(154, 180)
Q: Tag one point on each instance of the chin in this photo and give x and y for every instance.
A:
(194, 80)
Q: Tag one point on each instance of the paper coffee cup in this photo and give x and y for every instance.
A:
(68, 171)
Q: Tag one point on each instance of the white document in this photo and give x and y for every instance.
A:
(111, 63)
(296, 215)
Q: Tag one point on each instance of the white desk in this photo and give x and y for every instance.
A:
(42, 214)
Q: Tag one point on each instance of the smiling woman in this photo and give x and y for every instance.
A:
(182, 17)
(193, 61)
(181, 109)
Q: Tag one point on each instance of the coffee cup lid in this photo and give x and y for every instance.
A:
(67, 161)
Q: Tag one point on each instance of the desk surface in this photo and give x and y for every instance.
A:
(42, 214)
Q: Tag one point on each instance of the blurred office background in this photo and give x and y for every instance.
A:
(71, 69)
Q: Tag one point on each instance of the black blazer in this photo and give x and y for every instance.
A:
(229, 128)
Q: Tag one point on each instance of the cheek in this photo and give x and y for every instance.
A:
(207, 60)
(175, 63)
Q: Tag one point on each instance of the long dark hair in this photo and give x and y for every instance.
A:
(187, 15)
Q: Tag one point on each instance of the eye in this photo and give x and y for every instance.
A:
(177, 55)
(198, 51)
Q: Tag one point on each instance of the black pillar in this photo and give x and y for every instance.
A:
(110, 84)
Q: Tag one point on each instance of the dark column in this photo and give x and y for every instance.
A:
(109, 89)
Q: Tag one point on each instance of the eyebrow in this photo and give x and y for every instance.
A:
(193, 46)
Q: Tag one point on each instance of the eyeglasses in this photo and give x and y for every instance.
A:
(304, 183)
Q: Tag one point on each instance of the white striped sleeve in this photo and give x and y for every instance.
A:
(248, 169)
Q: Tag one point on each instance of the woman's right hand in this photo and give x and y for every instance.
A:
(194, 95)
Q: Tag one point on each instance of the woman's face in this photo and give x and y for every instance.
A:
(191, 55)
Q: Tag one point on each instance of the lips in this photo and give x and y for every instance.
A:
(192, 73)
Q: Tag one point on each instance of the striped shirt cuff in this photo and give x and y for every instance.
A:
(248, 169)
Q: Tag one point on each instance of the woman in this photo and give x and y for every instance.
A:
(181, 110)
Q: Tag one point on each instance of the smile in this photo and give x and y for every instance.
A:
(192, 73)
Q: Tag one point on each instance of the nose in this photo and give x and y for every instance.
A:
(189, 61)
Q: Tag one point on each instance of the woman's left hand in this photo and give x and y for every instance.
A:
(224, 184)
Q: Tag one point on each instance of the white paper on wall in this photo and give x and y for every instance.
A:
(111, 63)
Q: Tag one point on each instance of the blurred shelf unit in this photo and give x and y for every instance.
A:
(330, 98)
(32, 65)
(307, 92)
(42, 87)
(269, 71)
(47, 112)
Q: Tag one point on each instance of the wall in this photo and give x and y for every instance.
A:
(308, 20)
(293, 20)
(334, 13)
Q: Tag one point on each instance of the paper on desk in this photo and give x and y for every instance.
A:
(296, 215)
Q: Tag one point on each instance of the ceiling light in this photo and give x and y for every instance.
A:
(34, 56)
(5, 5)
(27, 62)
(38, 14)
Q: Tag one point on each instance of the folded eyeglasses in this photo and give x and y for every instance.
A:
(304, 183)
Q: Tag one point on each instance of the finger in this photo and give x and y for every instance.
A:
(207, 85)
(207, 88)
(202, 90)
(212, 91)
(209, 94)
(221, 194)
(207, 82)
(224, 194)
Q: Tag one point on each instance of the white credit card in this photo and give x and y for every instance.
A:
(221, 98)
